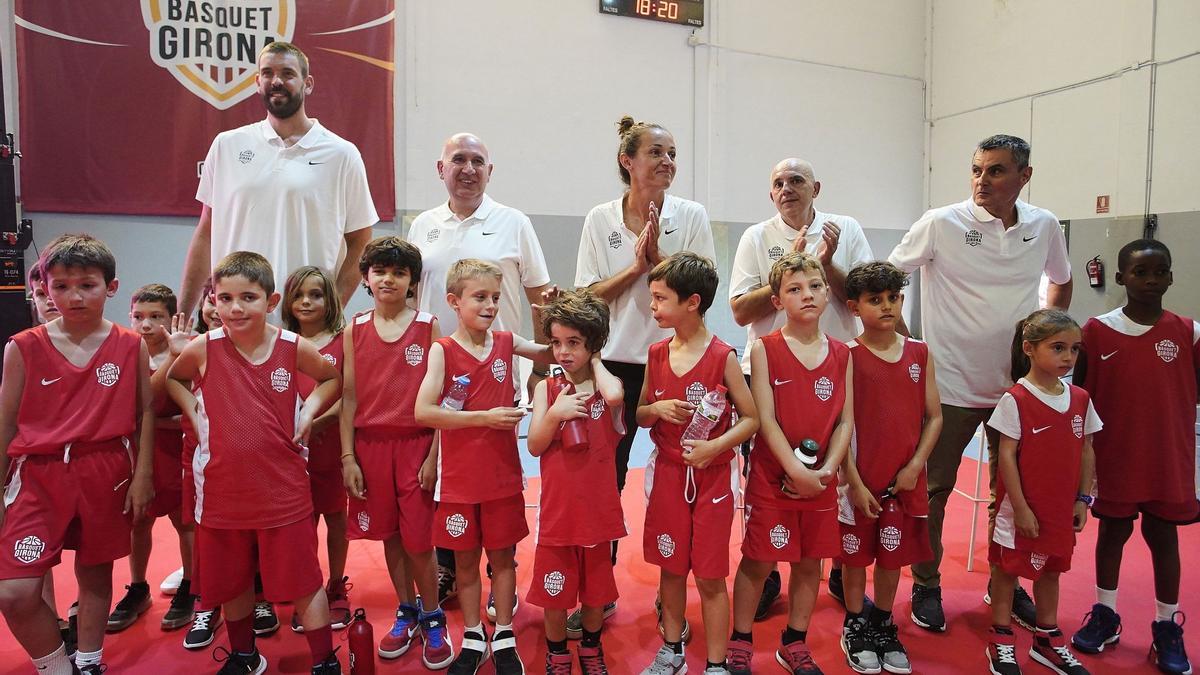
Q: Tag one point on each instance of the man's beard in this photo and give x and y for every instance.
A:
(283, 110)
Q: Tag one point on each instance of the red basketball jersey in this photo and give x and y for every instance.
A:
(387, 375)
(808, 404)
(889, 398)
(580, 505)
(248, 472)
(62, 404)
(479, 464)
(325, 448)
(1049, 455)
(1144, 388)
(663, 384)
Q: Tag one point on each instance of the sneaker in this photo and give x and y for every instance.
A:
(129, 608)
(1002, 654)
(858, 644)
(472, 655)
(437, 651)
(666, 662)
(182, 609)
(170, 585)
(240, 664)
(400, 637)
(204, 629)
(1024, 612)
(447, 584)
(685, 635)
(1101, 627)
(1167, 647)
(330, 666)
(1050, 650)
(834, 584)
(558, 664)
(927, 608)
(770, 592)
(338, 593)
(591, 661)
(892, 656)
(739, 653)
(491, 607)
(716, 670)
(797, 659)
(575, 620)
(504, 654)
(94, 669)
(265, 619)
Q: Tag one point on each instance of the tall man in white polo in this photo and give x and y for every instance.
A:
(285, 187)
(981, 261)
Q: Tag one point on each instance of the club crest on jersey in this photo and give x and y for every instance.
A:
(597, 408)
(1038, 560)
(108, 374)
(695, 393)
(364, 521)
(456, 524)
(851, 543)
(28, 549)
(614, 240)
(414, 355)
(553, 583)
(780, 536)
(914, 371)
(1077, 426)
(499, 369)
(432, 235)
(281, 379)
(974, 237)
(889, 537)
(823, 388)
(1167, 350)
(775, 252)
(330, 358)
(666, 545)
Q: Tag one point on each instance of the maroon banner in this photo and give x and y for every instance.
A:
(119, 101)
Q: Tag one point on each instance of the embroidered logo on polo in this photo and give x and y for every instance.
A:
(553, 583)
(851, 543)
(666, 545)
(823, 388)
(780, 536)
(432, 235)
(245, 156)
(775, 252)
(364, 521)
(914, 371)
(330, 358)
(1167, 350)
(889, 537)
(695, 393)
(597, 408)
(1038, 560)
(108, 374)
(499, 369)
(281, 379)
(974, 237)
(29, 549)
(456, 525)
(614, 240)
(1077, 426)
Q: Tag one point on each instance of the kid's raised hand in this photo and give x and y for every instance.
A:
(673, 410)
(180, 333)
(569, 406)
(1081, 511)
(352, 478)
(1027, 524)
(502, 417)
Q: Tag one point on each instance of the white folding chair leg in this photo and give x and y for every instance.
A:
(975, 498)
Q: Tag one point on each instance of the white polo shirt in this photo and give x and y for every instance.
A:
(496, 233)
(762, 244)
(606, 248)
(977, 281)
(294, 205)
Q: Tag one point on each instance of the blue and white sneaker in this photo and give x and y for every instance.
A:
(1101, 628)
(1167, 648)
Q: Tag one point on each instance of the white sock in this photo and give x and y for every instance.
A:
(502, 627)
(1107, 598)
(54, 663)
(1163, 611)
(88, 658)
(477, 628)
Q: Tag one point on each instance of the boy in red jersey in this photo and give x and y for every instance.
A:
(803, 386)
(152, 315)
(389, 462)
(894, 388)
(690, 483)
(580, 510)
(479, 483)
(1145, 456)
(74, 404)
(253, 500)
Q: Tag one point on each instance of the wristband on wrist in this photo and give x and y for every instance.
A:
(1086, 499)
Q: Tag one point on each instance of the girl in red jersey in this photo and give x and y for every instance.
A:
(311, 307)
(1042, 490)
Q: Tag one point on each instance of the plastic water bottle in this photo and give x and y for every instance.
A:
(706, 415)
(456, 398)
(574, 431)
(807, 452)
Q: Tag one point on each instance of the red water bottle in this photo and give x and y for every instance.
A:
(574, 431)
(891, 532)
(362, 644)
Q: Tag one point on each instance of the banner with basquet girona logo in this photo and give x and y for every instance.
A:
(119, 101)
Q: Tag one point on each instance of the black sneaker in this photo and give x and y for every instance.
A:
(858, 644)
(1002, 654)
(330, 666)
(1051, 650)
(1023, 610)
(927, 608)
(685, 635)
(834, 584)
(770, 592)
(575, 620)
(447, 584)
(239, 664)
(129, 608)
(182, 609)
(1101, 628)
(892, 655)
(204, 629)
(491, 607)
(504, 654)
(265, 619)
(471, 654)
(94, 669)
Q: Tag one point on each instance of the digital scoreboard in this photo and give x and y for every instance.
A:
(684, 12)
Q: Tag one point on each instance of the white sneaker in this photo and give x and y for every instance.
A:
(171, 583)
(666, 662)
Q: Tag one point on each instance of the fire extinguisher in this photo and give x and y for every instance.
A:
(888, 553)
(362, 644)
(1095, 272)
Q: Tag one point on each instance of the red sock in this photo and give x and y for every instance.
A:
(241, 634)
(320, 644)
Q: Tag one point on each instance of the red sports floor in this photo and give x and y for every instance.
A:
(630, 637)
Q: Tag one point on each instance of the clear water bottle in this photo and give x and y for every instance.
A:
(456, 398)
(706, 415)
